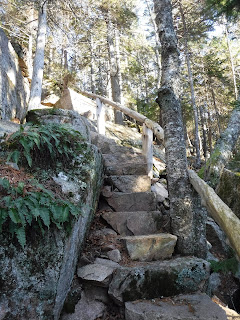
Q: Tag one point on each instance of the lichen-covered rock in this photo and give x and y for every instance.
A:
(34, 282)
(14, 88)
(61, 116)
(157, 279)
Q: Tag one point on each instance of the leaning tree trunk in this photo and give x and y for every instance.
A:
(188, 218)
(223, 150)
(38, 65)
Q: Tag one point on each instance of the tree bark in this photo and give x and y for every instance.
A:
(38, 65)
(190, 78)
(223, 150)
(188, 218)
(114, 70)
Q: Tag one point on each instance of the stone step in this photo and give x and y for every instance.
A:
(130, 183)
(150, 247)
(128, 202)
(127, 168)
(159, 279)
(107, 145)
(135, 223)
(188, 307)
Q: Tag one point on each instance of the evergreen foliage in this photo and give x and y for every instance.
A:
(44, 145)
(20, 209)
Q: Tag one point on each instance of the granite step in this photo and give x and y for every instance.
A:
(150, 280)
(150, 247)
(129, 183)
(136, 222)
(128, 202)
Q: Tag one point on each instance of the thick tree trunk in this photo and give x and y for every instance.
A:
(223, 150)
(114, 70)
(190, 78)
(38, 65)
(188, 218)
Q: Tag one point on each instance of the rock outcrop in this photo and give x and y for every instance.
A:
(14, 88)
(35, 281)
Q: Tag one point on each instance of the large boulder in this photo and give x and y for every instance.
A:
(34, 282)
(60, 116)
(14, 88)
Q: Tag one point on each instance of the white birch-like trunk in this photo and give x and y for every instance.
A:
(38, 65)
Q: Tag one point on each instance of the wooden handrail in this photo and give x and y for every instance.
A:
(155, 127)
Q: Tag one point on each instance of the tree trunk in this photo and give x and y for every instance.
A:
(188, 218)
(114, 71)
(231, 62)
(204, 130)
(158, 44)
(190, 77)
(223, 150)
(93, 87)
(38, 65)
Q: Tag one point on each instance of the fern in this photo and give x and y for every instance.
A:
(19, 210)
(44, 145)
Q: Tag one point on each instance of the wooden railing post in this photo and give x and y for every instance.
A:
(147, 148)
(100, 116)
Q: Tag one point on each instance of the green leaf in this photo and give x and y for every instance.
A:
(13, 214)
(57, 212)
(36, 212)
(28, 157)
(20, 187)
(45, 215)
(5, 183)
(15, 155)
(25, 143)
(65, 214)
(21, 236)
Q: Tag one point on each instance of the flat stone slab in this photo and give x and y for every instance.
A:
(97, 273)
(184, 307)
(140, 201)
(159, 279)
(130, 183)
(150, 247)
(134, 223)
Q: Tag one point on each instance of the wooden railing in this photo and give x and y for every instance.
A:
(220, 212)
(149, 127)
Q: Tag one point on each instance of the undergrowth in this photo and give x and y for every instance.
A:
(38, 146)
(20, 208)
(227, 265)
(44, 145)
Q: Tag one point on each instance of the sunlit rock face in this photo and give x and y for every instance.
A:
(14, 88)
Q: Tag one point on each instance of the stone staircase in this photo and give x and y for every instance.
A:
(141, 287)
